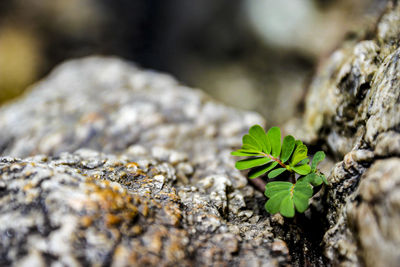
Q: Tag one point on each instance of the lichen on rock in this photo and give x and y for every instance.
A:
(104, 163)
(135, 171)
(353, 107)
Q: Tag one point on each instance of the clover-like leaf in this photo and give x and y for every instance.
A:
(250, 148)
(312, 178)
(250, 142)
(266, 151)
(258, 133)
(274, 136)
(302, 192)
(299, 154)
(287, 147)
(318, 157)
(285, 197)
(251, 162)
(304, 161)
(287, 206)
(302, 169)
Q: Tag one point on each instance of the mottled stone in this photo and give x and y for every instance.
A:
(92, 208)
(152, 182)
(353, 107)
(126, 167)
(354, 95)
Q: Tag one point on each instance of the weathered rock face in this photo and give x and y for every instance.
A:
(353, 106)
(165, 194)
(135, 169)
(90, 208)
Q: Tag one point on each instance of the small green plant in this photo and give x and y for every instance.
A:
(268, 155)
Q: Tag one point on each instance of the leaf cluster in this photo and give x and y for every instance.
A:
(269, 155)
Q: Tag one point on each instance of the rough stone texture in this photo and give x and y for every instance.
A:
(154, 185)
(353, 106)
(91, 208)
(375, 214)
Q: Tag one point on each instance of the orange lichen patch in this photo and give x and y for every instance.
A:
(156, 239)
(136, 199)
(110, 203)
(28, 186)
(117, 187)
(175, 249)
(200, 206)
(136, 230)
(140, 172)
(116, 164)
(156, 204)
(132, 165)
(131, 212)
(174, 214)
(111, 219)
(144, 210)
(86, 221)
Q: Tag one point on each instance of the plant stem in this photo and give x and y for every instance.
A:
(275, 159)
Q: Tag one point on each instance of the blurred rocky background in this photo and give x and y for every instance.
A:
(254, 54)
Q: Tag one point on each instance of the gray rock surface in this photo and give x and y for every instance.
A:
(353, 106)
(151, 184)
(91, 208)
(107, 164)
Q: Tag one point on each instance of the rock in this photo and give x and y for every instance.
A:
(152, 182)
(353, 107)
(375, 214)
(96, 209)
(344, 102)
(107, 164)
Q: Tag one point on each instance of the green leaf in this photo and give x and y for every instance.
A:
(312, 178)
(262, 148)
(250, 141)
(285, 197)
(254, 173)
(250, 163)
(274, 187)
(250, 148)
(287, 147)
(302, 192)
(323, 178)
(304, 188)
(299, 154)
(300, 201)
(274, 136)
(243, 152)
(304, 161)
(302, 169)
(287, 207)
(276, 172)
(274, 203)
(318, 157)
(258, 133)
